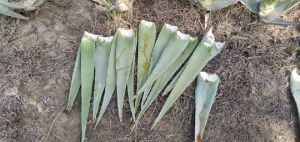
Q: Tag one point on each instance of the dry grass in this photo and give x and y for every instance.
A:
(253, 102)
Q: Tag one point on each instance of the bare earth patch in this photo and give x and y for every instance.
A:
(253, 102)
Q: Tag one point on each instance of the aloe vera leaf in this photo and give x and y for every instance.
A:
(204, 52)
(146, 41)
(126, 46)
(252, 5)
(163, 38)
(16, 5)
(110, 84)
(295, 88)
(8, 12)
(103, 45)
(205, 93)
(172, 83)
(163, 80)
(270, 11)
(87, 56)
(75, 83)
(130, 90)
(213, 5)
(172, 51)
(37, 3)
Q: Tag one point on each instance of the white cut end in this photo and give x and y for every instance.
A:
(209, 77)
(295, 76)
(193, 38)
(183, 36)
(172, 28)
(106, 39)
(126, 33)
(147, 23)
(91, 36)
(209, 39)
(220, 45)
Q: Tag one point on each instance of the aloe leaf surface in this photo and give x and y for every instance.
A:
(204, 52)
(126, 46)
(173, 50)
(8, 12)
(17, 5)
(110, 84)
(130, 90)
(213, 5)
(146, 41)
(295, 88)
(75, 83)
(87, 56)
(205, 93)
(164, 36)
(103, 45)
(161, 82)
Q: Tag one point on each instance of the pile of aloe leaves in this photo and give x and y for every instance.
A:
(105, 66)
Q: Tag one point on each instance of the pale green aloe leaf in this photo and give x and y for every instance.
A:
(271, 10)
(110, 84)
(204, 52)
(213, 5)
(295, 88)
(163, 80)
(205, 93)
(130, 90)
(75, 83)
(252, 5)
(146, 41)
(164, 36)
(172, 83)
(126, 46)
(103, 45)
(8, 12)
(37, 3)
(87, 56)
(17, 5)
(173, 50)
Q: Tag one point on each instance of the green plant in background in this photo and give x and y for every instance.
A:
(110, 63)
(205, 93)
(7, 7)
(269, 10)
(113, 8)
(295, 88)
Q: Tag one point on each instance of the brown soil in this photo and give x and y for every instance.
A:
(253, 103)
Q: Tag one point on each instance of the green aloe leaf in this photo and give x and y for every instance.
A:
(130, 90)
(252, 5)
(213, 5)
(163, 80)
(8, 12)
(87, 49)
(295, 88)
(205, 93)
(146, 41)
(271, 10)
(164, 36)
(173, 50)
(103, 45)
(75, 83)
(17, 5)
(204, 52)
(126, 46)
(110, 85)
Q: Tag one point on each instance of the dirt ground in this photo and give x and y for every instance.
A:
(253, 104)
